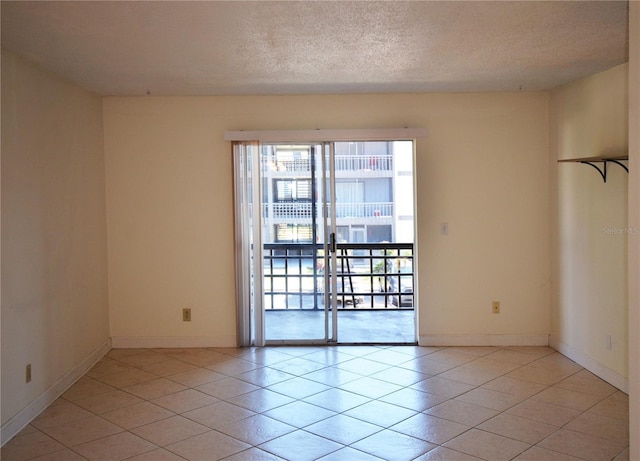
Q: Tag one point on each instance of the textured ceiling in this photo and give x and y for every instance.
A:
(240, 47)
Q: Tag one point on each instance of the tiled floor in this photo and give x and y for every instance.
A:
(343, 403)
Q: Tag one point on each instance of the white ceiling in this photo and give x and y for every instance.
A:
(271, 47)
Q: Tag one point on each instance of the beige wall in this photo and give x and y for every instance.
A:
(54, 285)
(589, 301)
(483, 169)
(634, 222)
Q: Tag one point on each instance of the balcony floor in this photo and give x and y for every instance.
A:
(390, 326)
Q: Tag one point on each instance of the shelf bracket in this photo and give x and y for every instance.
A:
(617, 162)
(603, 171)
(594, 161)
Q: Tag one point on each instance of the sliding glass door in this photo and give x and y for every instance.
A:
(324, 242)
(295, 223)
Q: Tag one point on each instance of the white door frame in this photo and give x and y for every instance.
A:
(250, 309)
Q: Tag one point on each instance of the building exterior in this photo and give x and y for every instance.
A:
(369, 176)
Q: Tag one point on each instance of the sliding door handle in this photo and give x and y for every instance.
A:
(332, 242)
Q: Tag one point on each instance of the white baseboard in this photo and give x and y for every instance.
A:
(483, 340)
(37, 406)
(161, 342)
(595, 367)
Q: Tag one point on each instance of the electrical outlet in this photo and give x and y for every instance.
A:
(186, 315)
(28, 373)
(495, 307)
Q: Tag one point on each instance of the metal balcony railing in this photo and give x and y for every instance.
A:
(369, 276)
(298, 209)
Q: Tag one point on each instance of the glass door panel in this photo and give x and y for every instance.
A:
(375, 234)
(293, 244)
